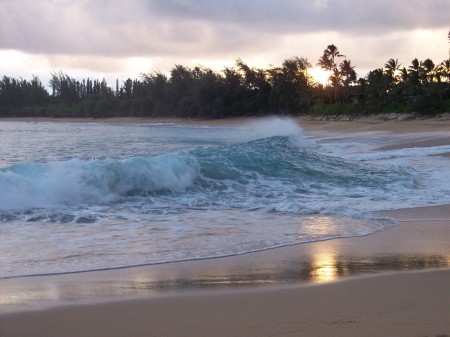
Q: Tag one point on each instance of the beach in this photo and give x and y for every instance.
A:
(361, 307)
(390, 283)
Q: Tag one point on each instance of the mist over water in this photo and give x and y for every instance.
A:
(92, 196)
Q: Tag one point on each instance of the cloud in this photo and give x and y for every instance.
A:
(362, 17)
(88, 63)
(138, 27)
(79, 33)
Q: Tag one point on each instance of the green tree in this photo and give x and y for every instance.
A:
(128, 87)
(291, 86)
(257, 89)
(180, 83)
(377, 84)
(234, 91)
(207, 93)
(156, 92)
(64, 87)
(22, 97)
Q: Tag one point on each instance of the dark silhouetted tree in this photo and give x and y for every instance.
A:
(328, 62)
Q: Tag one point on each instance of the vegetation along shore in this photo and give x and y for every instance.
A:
(422, 87)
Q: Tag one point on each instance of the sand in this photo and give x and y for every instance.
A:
(391, 283)
(377, 123)
(407, 304)
(370, 123)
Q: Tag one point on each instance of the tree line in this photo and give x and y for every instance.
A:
(288, 89)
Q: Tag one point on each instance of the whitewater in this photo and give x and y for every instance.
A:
(90, 196)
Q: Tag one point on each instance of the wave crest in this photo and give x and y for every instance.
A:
(93, 181)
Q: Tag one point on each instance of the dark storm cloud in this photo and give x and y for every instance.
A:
(188, 27)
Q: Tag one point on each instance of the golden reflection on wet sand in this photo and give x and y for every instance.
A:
(410, 246)
(323, 266)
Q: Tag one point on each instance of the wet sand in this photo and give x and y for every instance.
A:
(391, 283)
(401, 305)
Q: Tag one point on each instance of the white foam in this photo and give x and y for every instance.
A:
(77, 181)
(430, 171)
(271, 127)
(219, 216)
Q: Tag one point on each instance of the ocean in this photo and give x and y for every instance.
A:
(92, 196)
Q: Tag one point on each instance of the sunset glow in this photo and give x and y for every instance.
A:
(150, 35)
(319, 75)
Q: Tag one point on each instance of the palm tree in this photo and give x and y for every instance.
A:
(432, 79)
(428, 70)
(414, 75)
(444, 69)
(448, 36)
(404, 87)
(348, 71)
(391, 67)
(327, 62)
(348, 74)
(331, 53)
(404, 76)
(415, 65)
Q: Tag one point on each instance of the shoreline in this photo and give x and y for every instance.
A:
(390, 283)
(418, 242)
(359, 124)
(439, 213)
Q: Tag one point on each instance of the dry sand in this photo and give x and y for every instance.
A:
(391, 283)
(377, 123)
(371, 123)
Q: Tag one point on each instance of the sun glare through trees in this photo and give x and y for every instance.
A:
(320, 75)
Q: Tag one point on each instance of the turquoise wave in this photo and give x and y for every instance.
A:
(275, 172)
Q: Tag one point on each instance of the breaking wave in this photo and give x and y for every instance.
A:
(276, 173)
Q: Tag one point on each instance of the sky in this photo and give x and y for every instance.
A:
(124, 38)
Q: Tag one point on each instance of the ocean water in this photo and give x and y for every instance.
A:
(90, 196)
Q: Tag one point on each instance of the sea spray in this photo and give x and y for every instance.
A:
(74, 182)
